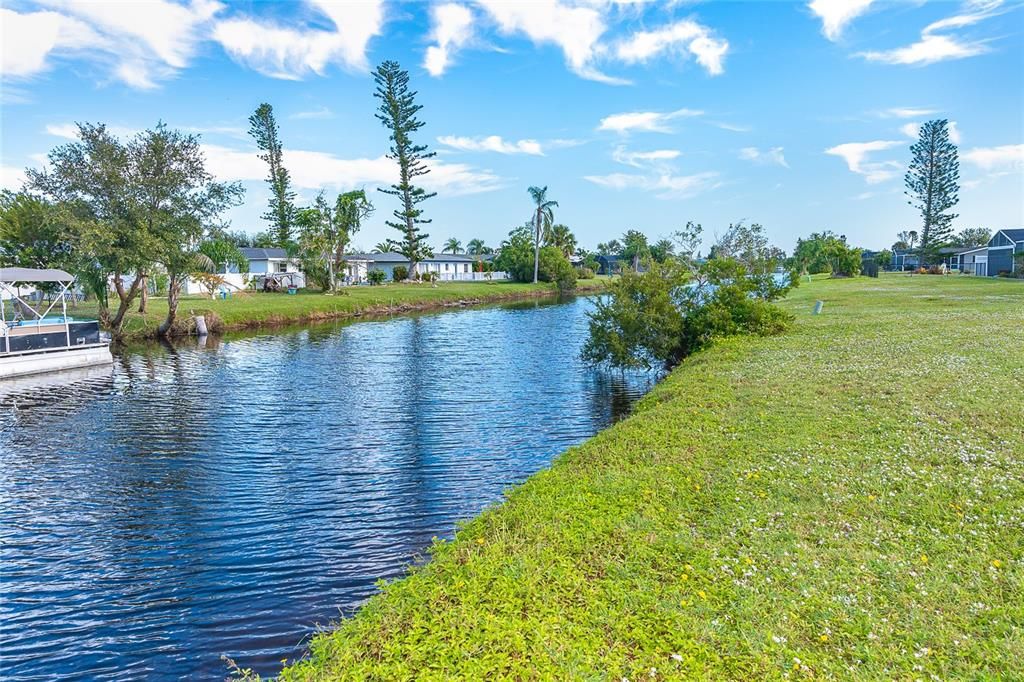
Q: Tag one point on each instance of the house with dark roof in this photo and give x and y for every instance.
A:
(266, 261)
(1004, 250)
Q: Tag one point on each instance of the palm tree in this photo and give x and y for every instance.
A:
(453, 245)
(560, 236)
(476, 247)
(384, 247)
(543, 216)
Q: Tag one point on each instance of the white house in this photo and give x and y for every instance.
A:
(262, 262)
(447, 266)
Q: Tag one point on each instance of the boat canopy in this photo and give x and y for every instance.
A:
(33, 275)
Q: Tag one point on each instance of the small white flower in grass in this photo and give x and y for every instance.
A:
(677, 658)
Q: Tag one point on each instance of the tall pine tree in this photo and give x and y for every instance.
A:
(932, 182)
(281, 213)
(397, 113)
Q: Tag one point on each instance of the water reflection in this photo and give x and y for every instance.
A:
(225, 496)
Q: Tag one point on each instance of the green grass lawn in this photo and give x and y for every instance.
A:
(250, 309)
(844, 501)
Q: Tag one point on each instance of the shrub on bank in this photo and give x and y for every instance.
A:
(375, 277)
(665, 314)
(583, 272)
(399, 273)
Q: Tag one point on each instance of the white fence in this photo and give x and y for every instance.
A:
(471, 276)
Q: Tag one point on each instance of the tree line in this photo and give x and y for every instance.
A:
(117, 213)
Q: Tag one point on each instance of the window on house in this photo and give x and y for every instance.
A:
(446, 267)
(465, 267)
(282, 266)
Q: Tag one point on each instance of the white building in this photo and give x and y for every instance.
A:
(446, 266)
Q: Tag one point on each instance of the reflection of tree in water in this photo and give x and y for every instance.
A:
(612, 394)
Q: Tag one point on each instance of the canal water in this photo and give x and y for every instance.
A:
(226, 499)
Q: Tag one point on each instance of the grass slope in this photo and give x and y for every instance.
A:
(844, 501)
(248, 310)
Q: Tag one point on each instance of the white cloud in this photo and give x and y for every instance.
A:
(492, 143)
(644, 121)
(682, 35)
(935, 47)
(928, 50)
(906, 112)
(773, 156)
(640, 159)
(577, 30)
(665, 186)
(140, 43)
(856, 156)
(12, 178)
(836, 14)
(452, 27)
(1005, 157)
(320, 113)
(731, 126)
(292, 53)
(69, 131)
(315, 170)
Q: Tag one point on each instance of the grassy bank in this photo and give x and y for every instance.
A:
(844, 501)
(252, 310)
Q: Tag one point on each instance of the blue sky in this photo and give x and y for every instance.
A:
(635, 115)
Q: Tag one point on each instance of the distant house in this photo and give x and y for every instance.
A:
(267, 261)
(445, 266)
(990, 260)
(1000, 252)
(904, 259)
(608, 265)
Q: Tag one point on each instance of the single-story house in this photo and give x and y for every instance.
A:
(1001, 252)
(446, 266)
(271, 261)
(996, 257)
(989, 260)
(265, 261)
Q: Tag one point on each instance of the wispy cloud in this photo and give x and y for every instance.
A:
(641, 159)
(492, 143)
(676, 38)
(319, 113)
(314, 170)
(645, 121)
(939, 41)
(664, 186)
(138, 44)
(451, 28)
(836, 14)
(576, 30)
(291, 53)
(1007, 157)
(856, 156)
(768, 157)
(906, 112)
(731, 127)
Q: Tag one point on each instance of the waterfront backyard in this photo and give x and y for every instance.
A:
(843, 501)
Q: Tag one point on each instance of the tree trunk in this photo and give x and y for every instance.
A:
(330, 274)
(172, 305)
(125, 300)
(536, 246)
(144, 293)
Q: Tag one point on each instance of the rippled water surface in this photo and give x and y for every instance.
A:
(195, 502)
